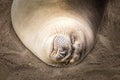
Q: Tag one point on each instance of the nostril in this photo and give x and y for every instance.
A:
(64, 53)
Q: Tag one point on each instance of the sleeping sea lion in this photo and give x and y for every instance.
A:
(59, 32)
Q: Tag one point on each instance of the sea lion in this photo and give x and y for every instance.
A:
(59, 32)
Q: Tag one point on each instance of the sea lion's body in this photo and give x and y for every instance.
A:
(40, 24)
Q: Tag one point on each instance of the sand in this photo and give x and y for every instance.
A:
(102, 63)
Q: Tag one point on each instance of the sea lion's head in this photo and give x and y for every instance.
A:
(67, 46)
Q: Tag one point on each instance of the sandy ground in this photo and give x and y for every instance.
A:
(103, 63)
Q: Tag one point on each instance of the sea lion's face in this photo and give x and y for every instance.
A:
(62, 49)
(66, 49)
